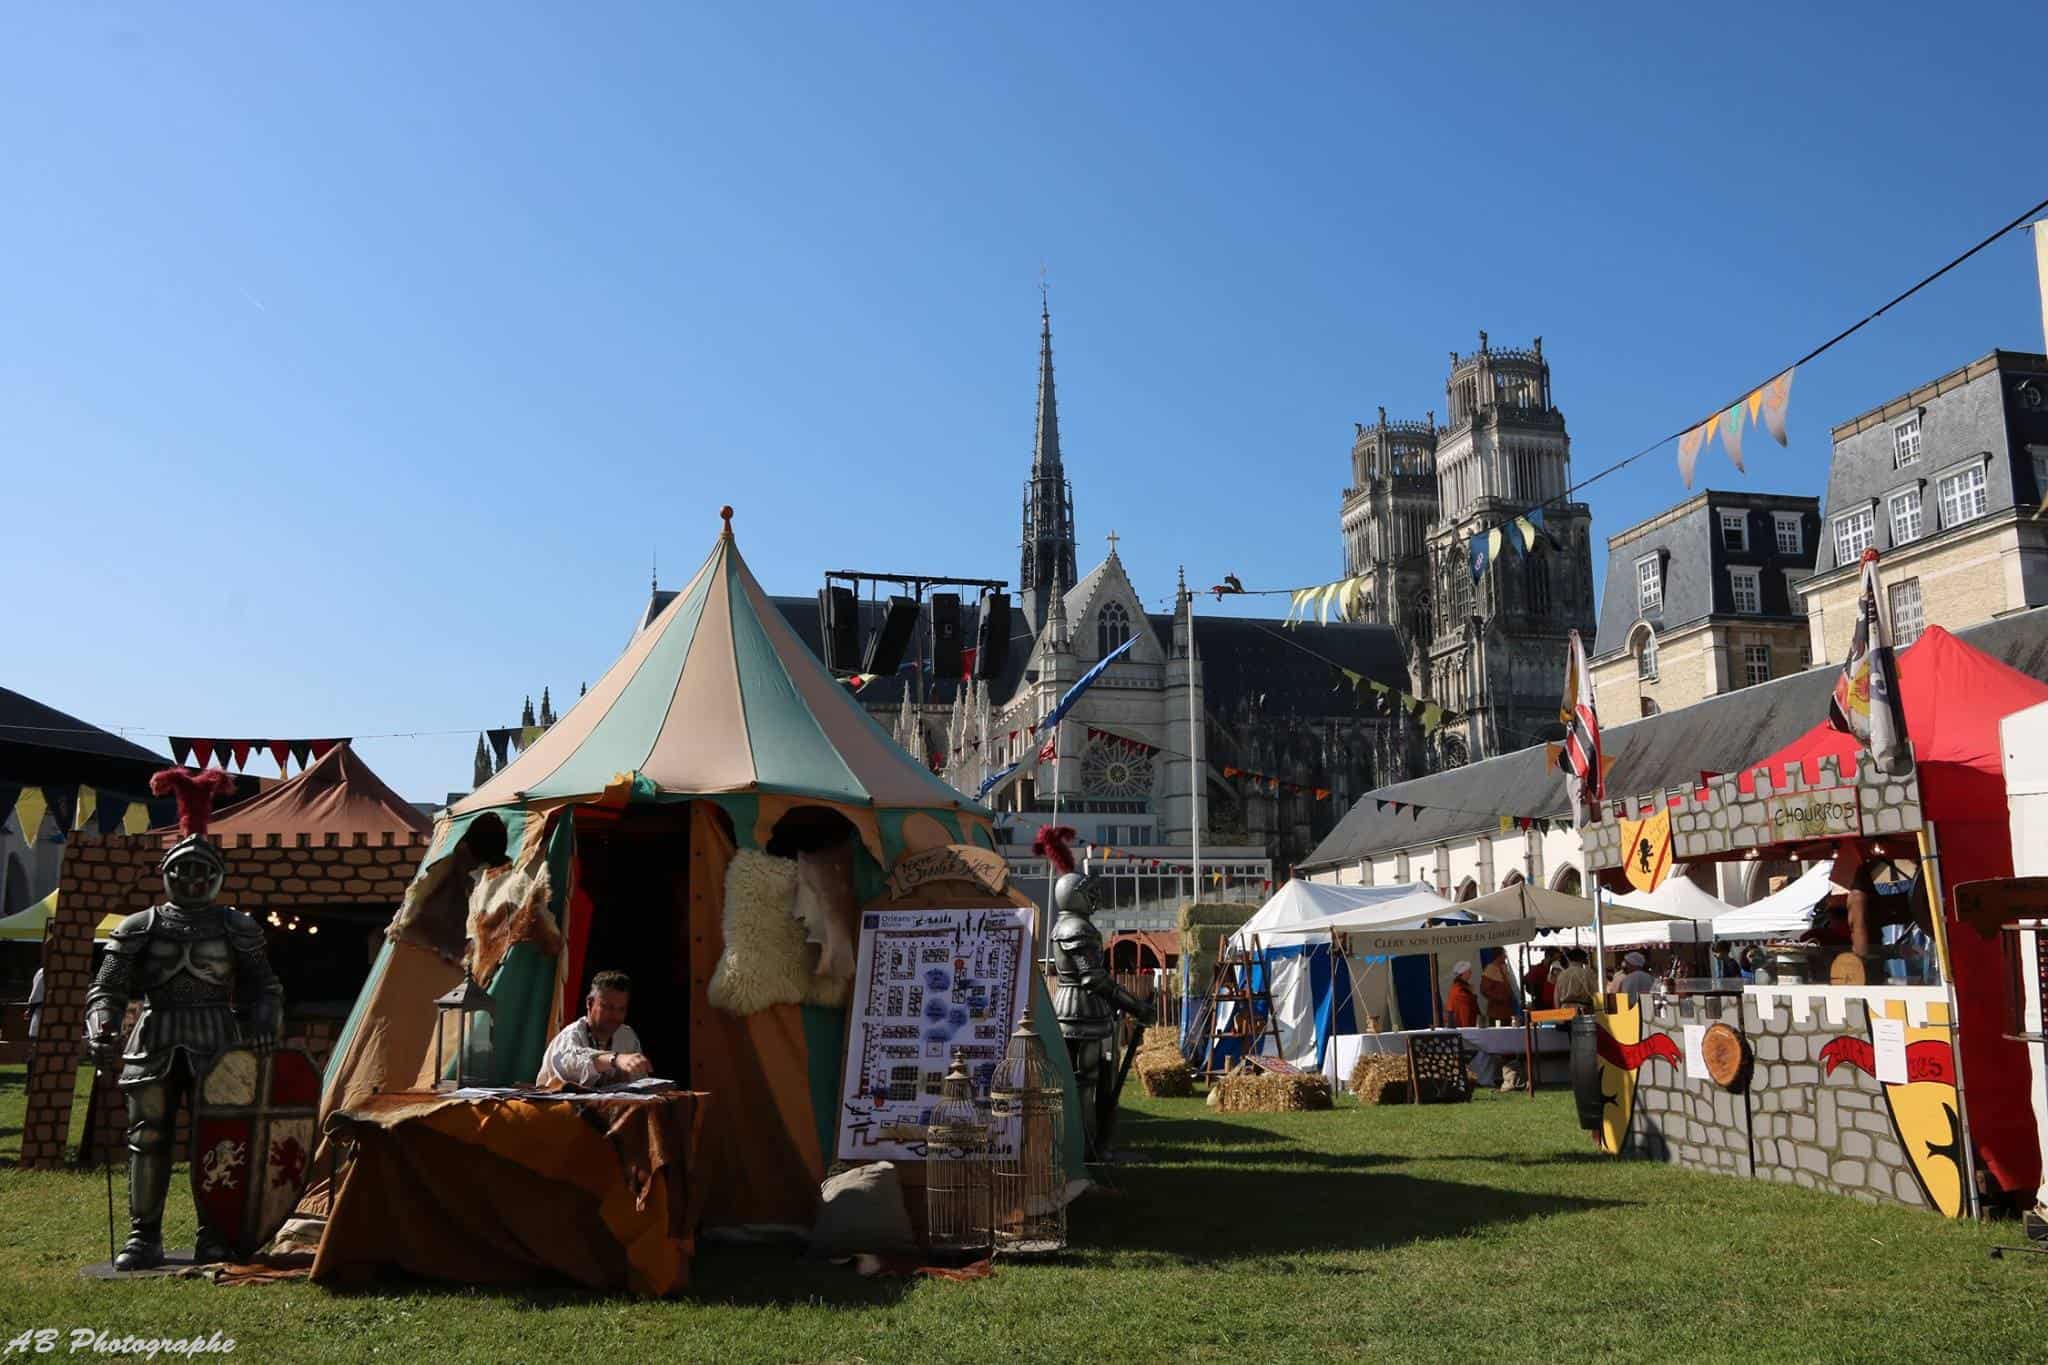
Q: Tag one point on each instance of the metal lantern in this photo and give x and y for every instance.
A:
(956, 1184)
(463, 1002)
(1027, 1177)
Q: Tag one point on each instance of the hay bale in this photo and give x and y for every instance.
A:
(1202, 927)
(1260, 1092)
(1381, 1078)
(1161, 1069)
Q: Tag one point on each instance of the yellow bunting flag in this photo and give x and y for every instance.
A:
(1689, 452)
(1754, 402)
(1432, 717)
(1507, 823)
(88, 802)
(528, 734)
(1777, 396)
(28, 811)
(135, 820)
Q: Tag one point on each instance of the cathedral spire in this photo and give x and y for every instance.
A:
(1047, 550)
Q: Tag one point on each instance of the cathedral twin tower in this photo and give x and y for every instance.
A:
(1491, 649)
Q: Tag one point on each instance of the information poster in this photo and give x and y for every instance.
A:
(1696, 1052)
(1888, 1039)
(928, 982)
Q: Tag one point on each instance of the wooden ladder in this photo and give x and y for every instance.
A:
(1252, 1022)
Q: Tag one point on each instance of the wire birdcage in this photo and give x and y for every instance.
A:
(1027, 1176)
(956, 1186)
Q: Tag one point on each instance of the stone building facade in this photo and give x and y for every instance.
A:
(1944, 482)
(1490, 649)
(1699, 601)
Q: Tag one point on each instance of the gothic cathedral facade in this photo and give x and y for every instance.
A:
(1491, 650)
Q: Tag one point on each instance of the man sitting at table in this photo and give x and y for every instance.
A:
(1462, 1005)
(599, 1049)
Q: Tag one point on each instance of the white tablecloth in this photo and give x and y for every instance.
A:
(1492, 1044)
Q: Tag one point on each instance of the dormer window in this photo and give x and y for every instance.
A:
(1906, 442)
(1112, 628)
(1649, 584)
(1735, 531)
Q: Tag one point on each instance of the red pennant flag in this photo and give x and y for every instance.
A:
(279, 750)
(1322, 793)
(240, 748)
(1398, 806)
(202, 749)
(321, 747)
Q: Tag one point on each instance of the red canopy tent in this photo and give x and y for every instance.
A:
(1954, 696)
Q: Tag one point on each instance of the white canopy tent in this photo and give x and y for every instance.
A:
(1292, 933)
(1786, 913)
(1685, 913)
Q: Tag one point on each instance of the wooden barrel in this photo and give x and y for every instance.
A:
(1585, 1067)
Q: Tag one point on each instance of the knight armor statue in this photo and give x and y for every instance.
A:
(189, 960)
(1089, 998)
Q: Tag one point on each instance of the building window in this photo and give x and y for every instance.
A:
(1905, 514)
(1805, 655)
(1906, 442)
(1791, 539)
(1650, 707)
(1649, 585)
(2040, 454)
(1962, 496)
(1853, 532)
(1908, 619)
(1748, 590)
(1735, 531)
(1112, 628)
(1646, 659)
(1537, 569)
(1756, 664)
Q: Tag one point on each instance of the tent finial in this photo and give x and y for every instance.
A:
(726, 512)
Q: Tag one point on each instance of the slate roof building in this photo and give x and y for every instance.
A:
(1456, 842)
(1943, 482)
(1699, 601)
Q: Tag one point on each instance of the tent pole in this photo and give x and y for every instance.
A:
(1930, 875)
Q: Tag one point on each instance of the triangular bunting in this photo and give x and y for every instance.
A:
(240, 749)
(302, 752)
(135, 820)
(1507, 823)
(321, 747)
(202, 752)
(181, 749)
(281, 750)
(88, 802)
(223, 750)
(1731, 434)
(1777, 396)
(28, 812)
(1689, 452)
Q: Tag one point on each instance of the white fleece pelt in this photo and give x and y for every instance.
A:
(764, 962)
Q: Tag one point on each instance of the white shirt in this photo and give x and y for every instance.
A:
(1636, 982)
(35, 1004)
(572, 1056)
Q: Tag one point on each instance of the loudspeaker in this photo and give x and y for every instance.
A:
(992, 639)
(839, 619)
(885, 650)
(945, 635)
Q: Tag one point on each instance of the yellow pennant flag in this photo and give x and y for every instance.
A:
(1432, 717)
(88, 802)
(28, 811)
(1507, 823)
(135, 820)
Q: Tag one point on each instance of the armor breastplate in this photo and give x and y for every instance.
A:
(193, 971)
(1077, 956)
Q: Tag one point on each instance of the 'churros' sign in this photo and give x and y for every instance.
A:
(1814, 815)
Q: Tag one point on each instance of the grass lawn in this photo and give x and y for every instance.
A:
(1486, 1231)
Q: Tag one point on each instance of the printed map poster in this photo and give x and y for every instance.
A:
(928, 982)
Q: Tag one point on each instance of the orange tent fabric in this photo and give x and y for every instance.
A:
(337, 795)
(1954, 697)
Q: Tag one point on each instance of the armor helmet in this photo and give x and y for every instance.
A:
(193, 871)
(1075, 894)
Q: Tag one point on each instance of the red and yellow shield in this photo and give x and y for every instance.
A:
(1646, 850)
(1623, 1050)
(1923, 1108)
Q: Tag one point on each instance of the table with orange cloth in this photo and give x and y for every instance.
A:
(516, 1188)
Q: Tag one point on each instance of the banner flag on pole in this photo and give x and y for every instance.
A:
(1582, 735)
(1866, 701)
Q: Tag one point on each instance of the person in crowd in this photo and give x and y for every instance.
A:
(35, 1005)
(1462, 1004)
(1634, 977)
(1575, 983)
(1497, 984)
(1726, 969)
(1539, 983)
(1759, 966)
(600, 1048)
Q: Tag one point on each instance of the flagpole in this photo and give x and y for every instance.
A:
(1194, 758)
(1051, 876)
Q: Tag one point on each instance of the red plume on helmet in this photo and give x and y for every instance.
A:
(196, 793)
(1051, 843)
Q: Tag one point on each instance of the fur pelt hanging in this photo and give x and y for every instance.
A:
(509, 905)
(826, 906)
(767, 959)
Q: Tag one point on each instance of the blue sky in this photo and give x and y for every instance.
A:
(356, 360)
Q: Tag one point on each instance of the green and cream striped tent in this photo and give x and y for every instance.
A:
(717, 724)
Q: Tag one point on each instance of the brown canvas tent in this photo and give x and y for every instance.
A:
(336, 795)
